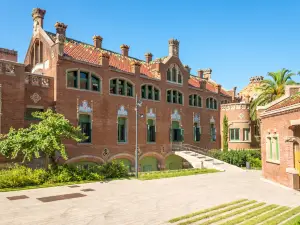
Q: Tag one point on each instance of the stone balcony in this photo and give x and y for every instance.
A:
(37, 80)
(235, 106)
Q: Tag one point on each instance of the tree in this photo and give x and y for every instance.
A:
(271, 89)
(46, 137)
(225, 133)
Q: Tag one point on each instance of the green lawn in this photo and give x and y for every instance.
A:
(244, 212)
(174, 173)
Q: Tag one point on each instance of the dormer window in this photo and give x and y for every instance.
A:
(174, 74)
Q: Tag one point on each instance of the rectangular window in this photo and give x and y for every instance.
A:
(156, 94)
(150, 131)
(169, 96)
(113, 86)
(144, 91)
(150, 93)
(121, 87)
(191, 100)
(213, 132)
(95, 83)
(179, 98)
(72, 79)
(29, 111)
(122, 129)
(196, 133)
(129, 90)
(246, 134)
(234, 134)
(84, 80)
(269, 148)
(85, 125)
(175, 96)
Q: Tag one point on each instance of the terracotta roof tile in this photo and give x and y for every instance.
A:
(292, 100)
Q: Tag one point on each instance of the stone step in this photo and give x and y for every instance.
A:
(208, 160)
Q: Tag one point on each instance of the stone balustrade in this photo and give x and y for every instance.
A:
(37, 80)
(235, 106)
(7, 67)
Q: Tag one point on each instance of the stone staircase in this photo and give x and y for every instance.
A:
(198, 158)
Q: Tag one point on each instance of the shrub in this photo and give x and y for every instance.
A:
(21, 176)
(238, 157)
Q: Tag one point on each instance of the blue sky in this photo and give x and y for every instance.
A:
(237, 39)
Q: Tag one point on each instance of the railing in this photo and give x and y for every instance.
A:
(188, 147)
(37, 80)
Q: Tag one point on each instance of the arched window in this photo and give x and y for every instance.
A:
(211, 103)
(120, 86)
(174, 75)
(36, 53)
(195, 100)
(174, 96)
(83, 80)
(150, 92)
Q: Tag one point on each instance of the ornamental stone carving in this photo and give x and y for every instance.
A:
(122, 111)
(150, 114)
(84, 107)
(105, 153)
(232, 106)
(35, 98)
(196, 118)
(241, 116)
(176, 115)
(212, 120)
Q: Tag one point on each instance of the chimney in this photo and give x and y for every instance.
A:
(104, 59)
(97, 41)
(234, 94)
(61, 28)
(148, 57)
(8, 54)
(200, 73)
(60, 37)
(207, 74)
(136, 67)
(187, 68)
(38, 18)
(174, 47)
(219, 88)
(202, 84)
(124, 50)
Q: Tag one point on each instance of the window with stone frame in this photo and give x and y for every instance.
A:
(197, 132)
(213, 132)
(122, 87)
(151, 130)
(273, 148)
(211, 103)
(83, 80)
(234, 134)
(122, 129)
(174, 75)
(85, 125)
(174, 96)
(246, 132)
(72, 79)
(150, 92)
(195, 100)
(95, 83)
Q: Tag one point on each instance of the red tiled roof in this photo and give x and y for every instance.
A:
(88, 53)
(292, 100)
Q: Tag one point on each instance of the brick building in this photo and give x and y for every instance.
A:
(280, 138)
(95, 88)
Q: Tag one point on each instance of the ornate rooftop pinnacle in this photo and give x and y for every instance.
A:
(104, 55)
(173, 41)
(97, 37)
(60, 25)
(136, 63)
(148, 54)
(37, 12)
(124, 46)
(256, 79)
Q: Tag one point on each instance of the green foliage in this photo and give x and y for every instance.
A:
(271, 89)
(21, 176)
(173, 173)
(238, 157)
(225, 133)
(46, 136)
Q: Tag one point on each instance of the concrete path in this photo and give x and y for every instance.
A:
(140, 202)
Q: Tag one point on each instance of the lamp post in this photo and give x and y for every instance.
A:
(138, 103)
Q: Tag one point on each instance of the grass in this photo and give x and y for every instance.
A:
(216, 213)
(206, 210)
(174, 173)
(266, 216)
(294, 221)
(250, 215)
(219, 218)
(283, 216)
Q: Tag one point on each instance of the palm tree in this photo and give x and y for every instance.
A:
(271, 89)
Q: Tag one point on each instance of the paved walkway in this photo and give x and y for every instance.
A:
(140, 202)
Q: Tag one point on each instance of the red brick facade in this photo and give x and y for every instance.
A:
(280, 133)
(41, 82)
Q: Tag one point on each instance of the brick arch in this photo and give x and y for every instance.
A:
(85, 158)
(123, 156)
(156, 155)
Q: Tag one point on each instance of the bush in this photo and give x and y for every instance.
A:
(21, 176)
(238, 157)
